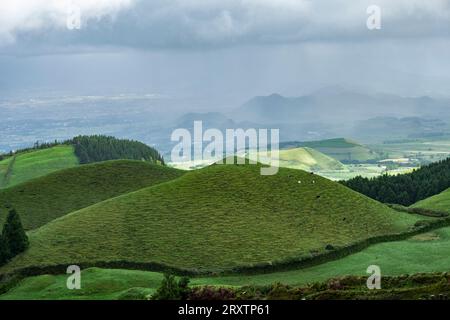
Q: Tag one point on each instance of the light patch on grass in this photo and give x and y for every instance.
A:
(34, 164)
(429, 236)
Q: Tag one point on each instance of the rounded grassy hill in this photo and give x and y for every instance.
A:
(215, 219)
(43, 199)
(304, 159)
(439, 202)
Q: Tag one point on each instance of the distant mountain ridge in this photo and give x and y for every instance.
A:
(338, 104)
(407, 127)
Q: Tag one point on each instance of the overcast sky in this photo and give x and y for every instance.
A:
(224, 48)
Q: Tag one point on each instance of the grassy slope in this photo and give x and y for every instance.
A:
(4, 172)
(43, 199)
(215, 218)
(394, 258)
(95, 284)
(30, 165)
(305, 159)
(439, 202)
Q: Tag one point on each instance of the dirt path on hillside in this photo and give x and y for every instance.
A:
(7, 176)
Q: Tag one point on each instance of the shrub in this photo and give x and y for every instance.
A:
(335, 284)
(171, 289)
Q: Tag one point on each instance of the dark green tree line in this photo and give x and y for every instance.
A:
(405, 189)
(101, 148)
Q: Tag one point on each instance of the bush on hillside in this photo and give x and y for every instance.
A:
(171, 289)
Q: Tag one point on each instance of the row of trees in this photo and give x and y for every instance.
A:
(13, 239)
(405, 189)
(101, 148)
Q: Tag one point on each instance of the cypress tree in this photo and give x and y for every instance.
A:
(14, 235)
(4, 252)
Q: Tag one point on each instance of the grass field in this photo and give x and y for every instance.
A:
(41, 200)
(424, 253)
(105, 284)
(29, 165)
(214, 219)
(439, 202)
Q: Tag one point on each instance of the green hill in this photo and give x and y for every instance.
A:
(215, 218)
(32, 164)
(45, 158)
(344, 150)
(43, 199)
(439, 202)
(305, 159)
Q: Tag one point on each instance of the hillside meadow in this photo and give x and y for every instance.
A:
(439, 202)
(44, 199)
(215, 219)
(29, 165)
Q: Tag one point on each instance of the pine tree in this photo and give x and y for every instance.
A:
(14, 235)
(4, 252)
